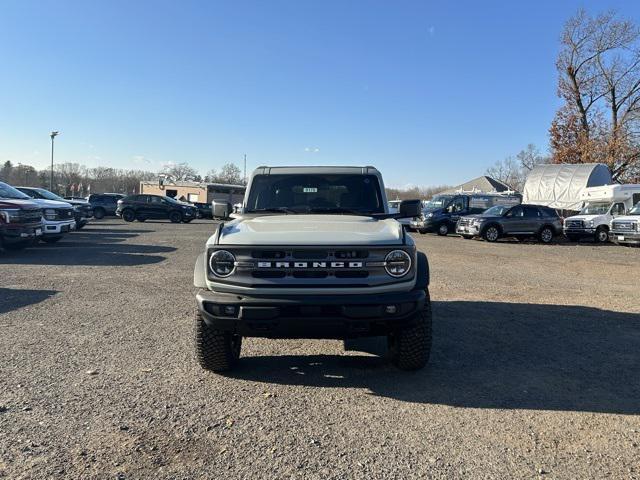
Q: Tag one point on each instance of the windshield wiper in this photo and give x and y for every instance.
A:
(273, 210)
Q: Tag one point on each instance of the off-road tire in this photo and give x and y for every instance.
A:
(128, 215)
(442, 230)
(601, 235)
(410, 347)
(175, 217)
(546, 235)
(215, 350)
(98, 213)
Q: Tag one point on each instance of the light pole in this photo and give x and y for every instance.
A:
(52, 135)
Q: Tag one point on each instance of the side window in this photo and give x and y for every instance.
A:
(457, 205)
(516, 212)
(618, 209)
(531, 212)
(155, 200)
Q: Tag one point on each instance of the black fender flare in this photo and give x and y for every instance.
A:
(422, 272)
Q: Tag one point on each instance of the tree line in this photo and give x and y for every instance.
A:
(75, 179)
(598, 69)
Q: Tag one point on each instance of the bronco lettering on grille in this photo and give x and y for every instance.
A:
(310, 264)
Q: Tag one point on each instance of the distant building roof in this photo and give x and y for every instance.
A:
(483, 184)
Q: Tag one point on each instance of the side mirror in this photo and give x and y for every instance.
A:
(410, 208)
(220, 209)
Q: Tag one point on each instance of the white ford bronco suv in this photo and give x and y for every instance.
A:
(314, 253)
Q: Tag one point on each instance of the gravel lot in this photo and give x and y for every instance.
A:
(535, 370)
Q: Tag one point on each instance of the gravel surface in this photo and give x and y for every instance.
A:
(535, 370)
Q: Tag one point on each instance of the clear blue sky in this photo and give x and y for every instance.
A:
(430, 92)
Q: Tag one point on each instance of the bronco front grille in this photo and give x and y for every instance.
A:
(300, 267)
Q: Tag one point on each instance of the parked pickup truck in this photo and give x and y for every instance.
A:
(20, 219)
(625, 230)
(82, 211)
(315, 253)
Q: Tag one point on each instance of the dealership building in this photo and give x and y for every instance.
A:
(195, 192)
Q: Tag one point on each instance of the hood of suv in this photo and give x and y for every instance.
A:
(15, 203)
(311, 230)
(42, 203)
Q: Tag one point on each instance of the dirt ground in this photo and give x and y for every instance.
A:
(535, 370)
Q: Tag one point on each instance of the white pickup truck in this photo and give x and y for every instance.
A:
(601, 206)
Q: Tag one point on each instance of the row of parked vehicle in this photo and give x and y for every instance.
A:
(29, 214)
(609, 213)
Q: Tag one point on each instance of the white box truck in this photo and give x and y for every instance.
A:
(600, 206)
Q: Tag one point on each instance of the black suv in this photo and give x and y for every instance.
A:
(104, 203)
(143, 207)
(520, 222)
(81, 208)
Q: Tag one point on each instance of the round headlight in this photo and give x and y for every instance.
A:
(222, 263)
(397, 263)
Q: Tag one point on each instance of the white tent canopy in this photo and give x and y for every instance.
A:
(559, 185)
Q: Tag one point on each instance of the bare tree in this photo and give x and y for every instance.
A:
(229, 173)
(599, 81)
(514, 170)
(181, 172)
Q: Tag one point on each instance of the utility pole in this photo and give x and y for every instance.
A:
(52, 135)
(245, 168)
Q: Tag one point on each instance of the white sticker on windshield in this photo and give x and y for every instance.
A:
(310, 190)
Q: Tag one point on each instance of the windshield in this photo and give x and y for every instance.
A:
(48, 195)
(315, 193)
(9, 192)
(595, 208)
(439, 201)
(495, 211)
(635, 210)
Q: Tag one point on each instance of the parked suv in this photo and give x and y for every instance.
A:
(143, 207)
(104, 204)
(625, 230)
(81, 208)
(442, 212)
(315, 253)
(20, 219)
(520, 222)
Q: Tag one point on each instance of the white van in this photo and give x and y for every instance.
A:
(601, 206)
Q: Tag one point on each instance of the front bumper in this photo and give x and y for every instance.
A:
(425, 225)
(20, 233)
(55, 228)
(468, 229)
(579, 232)
(625, 237)
(309, 316)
